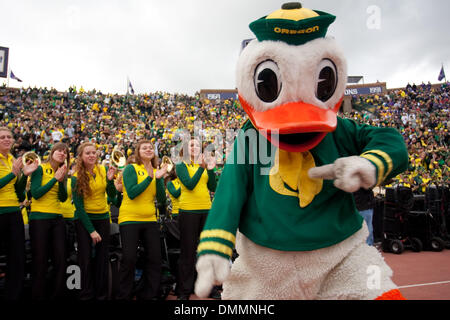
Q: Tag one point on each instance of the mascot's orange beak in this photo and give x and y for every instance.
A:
(294, 126)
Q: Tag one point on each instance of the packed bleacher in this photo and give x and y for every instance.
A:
(421, 115)
(40, 117)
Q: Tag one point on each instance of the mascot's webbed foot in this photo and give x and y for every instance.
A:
(391, 295)
(349, 173)
(212, 270)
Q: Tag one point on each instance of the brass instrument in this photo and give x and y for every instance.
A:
(118, 159)
(30, 157)
(166, 160)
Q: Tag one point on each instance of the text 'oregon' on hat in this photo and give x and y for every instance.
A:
(292, 24)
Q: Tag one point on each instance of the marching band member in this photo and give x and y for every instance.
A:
(68, 212)
(118, 183)
(12, 192)
(194, 203)
(47, 228)
(91, 184)
(174, 190)
(142, 185)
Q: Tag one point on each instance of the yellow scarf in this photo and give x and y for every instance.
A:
(291, 168)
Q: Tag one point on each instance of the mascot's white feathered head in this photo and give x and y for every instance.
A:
(291, 79)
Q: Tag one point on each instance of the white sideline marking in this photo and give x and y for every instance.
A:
(423, 284)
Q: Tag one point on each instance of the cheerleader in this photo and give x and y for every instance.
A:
(47, 227)
(92, 183)
(142, 185)
(194, 202)
(12, 234)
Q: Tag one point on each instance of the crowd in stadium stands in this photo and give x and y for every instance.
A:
(40, 117)
(421, 114)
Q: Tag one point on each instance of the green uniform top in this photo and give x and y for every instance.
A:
(245, 198)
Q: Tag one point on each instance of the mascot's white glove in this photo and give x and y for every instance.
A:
(212, 270)
(349, 173)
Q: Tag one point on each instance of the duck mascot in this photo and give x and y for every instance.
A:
(284, 200)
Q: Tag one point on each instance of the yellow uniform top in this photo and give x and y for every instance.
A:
(97, 202)
(139, 194)
(175, 200)
(8, 196)
(197, 198)
(24, 215)
(68, 208)
(45, 201)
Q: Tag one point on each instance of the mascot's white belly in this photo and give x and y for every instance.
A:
(348, 270)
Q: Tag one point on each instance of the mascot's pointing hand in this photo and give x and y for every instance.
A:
(349, 173)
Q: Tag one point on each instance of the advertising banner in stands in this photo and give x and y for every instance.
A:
(221, 96)
(363, 90)
(4, 62)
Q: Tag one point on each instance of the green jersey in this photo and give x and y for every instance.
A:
(248, 199)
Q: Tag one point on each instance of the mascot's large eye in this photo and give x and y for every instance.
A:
(267, 81)
(327, 80)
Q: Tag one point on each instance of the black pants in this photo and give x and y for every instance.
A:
(191, 225)
(149, 235)
(48, 240)
(71, 237)
(93, 260)
(12, 234)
